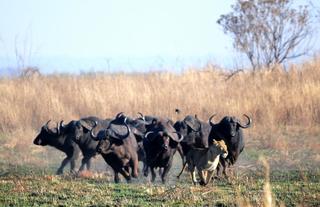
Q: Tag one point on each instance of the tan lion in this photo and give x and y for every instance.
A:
(205, 161)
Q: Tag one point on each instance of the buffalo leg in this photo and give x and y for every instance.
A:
(125, 174)
(83, 163)
(166, 170)
(221, 168)
(86, 162)
(135, 167)
(116, 177)
(72, 165)
(145, 170)
(153, 174)
(165, 173)
(89, 163)
(74, 156)
(63, 164)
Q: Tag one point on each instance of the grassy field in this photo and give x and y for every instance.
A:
(32, 186)
(284, 106)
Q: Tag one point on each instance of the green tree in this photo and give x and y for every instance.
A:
(268, 32)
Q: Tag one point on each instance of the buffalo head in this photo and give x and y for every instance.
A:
(188, 126)
(116, 132)
(46, 134)
(229, 126)
(161, 133)
(81, 127)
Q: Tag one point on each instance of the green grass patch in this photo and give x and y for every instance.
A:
(289, 188)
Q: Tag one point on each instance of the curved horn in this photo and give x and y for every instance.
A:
(141, 116)
(58, 129)
(180, 135)
(146, 135)
(210, 120)
(93, 136)
(248, 124)
(119, 114)
(61, 125)
(200, 125)
(50, 131)
(46, 125)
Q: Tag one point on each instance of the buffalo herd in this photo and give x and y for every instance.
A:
(124, 141)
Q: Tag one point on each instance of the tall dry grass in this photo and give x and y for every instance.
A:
(271, 98)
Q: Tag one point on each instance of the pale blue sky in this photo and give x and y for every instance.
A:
(81, 34)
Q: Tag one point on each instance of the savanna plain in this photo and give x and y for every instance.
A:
(278, 167)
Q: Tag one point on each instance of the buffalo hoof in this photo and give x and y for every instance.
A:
(129, 180)
(145, 173)
(59, 172)
(202, 183)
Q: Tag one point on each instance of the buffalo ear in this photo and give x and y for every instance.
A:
(170, 122)
(87, 124)
(154, 121)
(193, 123)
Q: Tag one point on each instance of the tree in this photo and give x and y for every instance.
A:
(268, 32)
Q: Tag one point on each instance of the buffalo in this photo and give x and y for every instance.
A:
(160, 144)
(229, 129)
(80, 132)
(59, 138)
(195, 133)
(118, 146)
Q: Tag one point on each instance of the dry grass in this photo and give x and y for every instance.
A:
(273, 99)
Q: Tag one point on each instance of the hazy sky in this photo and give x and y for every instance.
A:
(112, 29)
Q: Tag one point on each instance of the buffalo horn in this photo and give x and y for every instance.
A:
(94, 137)
(210, 120)
(141, 116)
(248, 124)
(196, 117)
(46, 125)
(146, 135)
(180, 136)
(58, 129)
(119, 114)
(61, 125)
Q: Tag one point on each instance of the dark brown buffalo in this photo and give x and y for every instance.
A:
(118, 146)
(61, 140)
(160, 144)
(194, 131)
(80, 133)
(229, 129)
